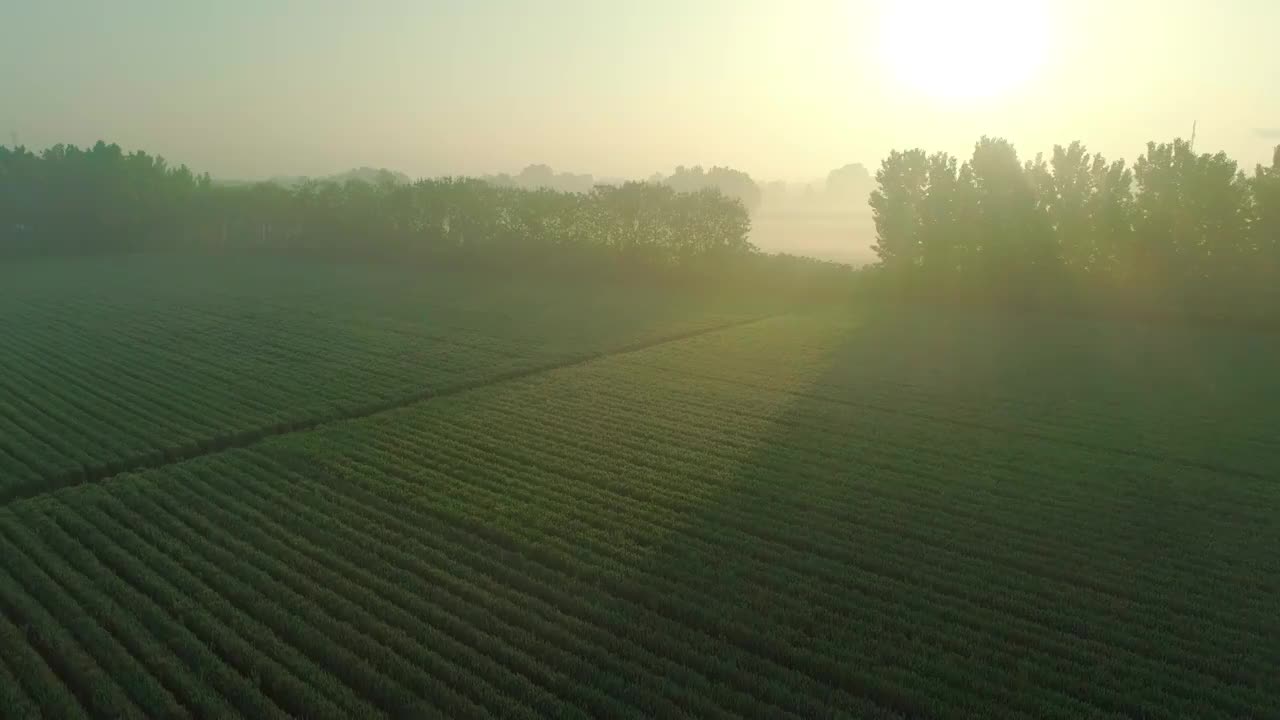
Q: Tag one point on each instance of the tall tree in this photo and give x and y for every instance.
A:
(1111, 212)
(896, 207)
(940, 233)
(1265, 189)
(1069, 198)
(1192, 214)
(1014, 232)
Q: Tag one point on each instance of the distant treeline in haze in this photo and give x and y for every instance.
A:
(1174, 224)
(102, 198)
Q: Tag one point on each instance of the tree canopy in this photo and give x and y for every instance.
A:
(1176, 220)
(732, 183)
(68, 199)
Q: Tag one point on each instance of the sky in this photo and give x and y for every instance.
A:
(783, 89)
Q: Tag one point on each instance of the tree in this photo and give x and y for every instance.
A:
(1110, 212)
(731, 183)
(1014, 234)
(1194, 224)
(1265, 190)
(940, 231)
(1068, 195)
(852, 181)
(1192, 214)
(896, 208)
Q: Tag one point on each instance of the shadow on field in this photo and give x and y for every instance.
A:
(967, 516)
(767, 561)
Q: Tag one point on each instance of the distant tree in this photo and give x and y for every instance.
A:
(373, 176)
(543, 177)
(501, 180)
(731, 183)
(657, 224)
(536, 176)
(1176, 219)
(574, 182)
(852, 180)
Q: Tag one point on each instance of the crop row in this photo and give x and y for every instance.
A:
(825, 434)
(334, 616)
(110, 363)
(168, 382)
(1213, 412)
(74, 410)
(677, 453)
(624, 538)
(579, 535)
(1208, 636)
(1234, 446)
(414, 564)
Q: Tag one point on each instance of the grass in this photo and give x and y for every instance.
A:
(821, 514)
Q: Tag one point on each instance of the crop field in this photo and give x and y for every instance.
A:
(108, 365)
(620, 503)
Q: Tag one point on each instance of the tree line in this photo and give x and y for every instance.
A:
(67, 199)
(1175, 223)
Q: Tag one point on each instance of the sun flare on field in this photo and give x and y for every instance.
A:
(960, 50)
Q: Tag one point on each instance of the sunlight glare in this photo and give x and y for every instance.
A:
(958, 50)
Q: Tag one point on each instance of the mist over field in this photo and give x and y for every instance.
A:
(827, 218)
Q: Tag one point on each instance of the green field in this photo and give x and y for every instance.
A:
(116, 364)
(367, 492)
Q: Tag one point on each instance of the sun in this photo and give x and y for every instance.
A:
(959, 50)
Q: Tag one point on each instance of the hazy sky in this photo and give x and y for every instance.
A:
(784, 89)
